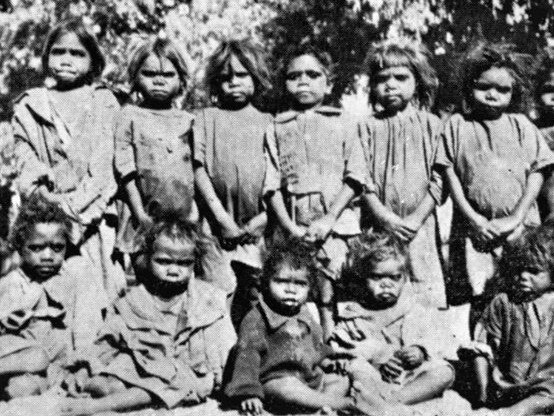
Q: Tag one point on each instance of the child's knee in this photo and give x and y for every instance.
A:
(25, 385)
(101, 386)
(35, 360)
(444, 376)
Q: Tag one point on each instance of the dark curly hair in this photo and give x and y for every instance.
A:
(87, 39)
(251, 56)
(485, 56)
(534, 248)
(37, 210)
(407, 53)
(373, 247)
(292, 252)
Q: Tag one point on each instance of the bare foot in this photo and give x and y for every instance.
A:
(77, 407)
(374, 405)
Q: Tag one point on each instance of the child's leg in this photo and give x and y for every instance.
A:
(325, 305)
(426, 386)
(292, 391)
(101, 386)
(127, 399)
(538, 404)
(29, 360)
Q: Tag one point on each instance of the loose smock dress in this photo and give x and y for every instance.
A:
(492, 159)
(400, 151)
(229, 144)
(309, 156)
(78, 161)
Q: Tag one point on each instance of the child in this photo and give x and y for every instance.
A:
(44, 304)
(165, 341)
(494, 161)
(544, 96)
(395, 340)
(153, 155)
(514, 349)
(315, 166)
(228, 153)
(280, 349)
(400, 141)
(65, 148)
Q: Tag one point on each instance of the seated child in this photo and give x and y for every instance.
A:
(39, 322)
(393, 339)
(514, 340)
(280, 350)
(166, 341)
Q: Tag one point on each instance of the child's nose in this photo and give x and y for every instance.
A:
(46, 254)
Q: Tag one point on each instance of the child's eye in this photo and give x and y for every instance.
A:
(401, 77)
(312, 74)
(293, 75)
(77, 53)
(35, 248)
(57, 248)
(482, 86)
(169, 74)
(148, 74)
(504, 90)
(185, 263)
(57, 51)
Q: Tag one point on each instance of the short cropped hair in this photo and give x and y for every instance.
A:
(406, 53)
(87, 39)
(37, 210)
(292, 252)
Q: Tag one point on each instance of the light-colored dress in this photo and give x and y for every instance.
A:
(78, 161)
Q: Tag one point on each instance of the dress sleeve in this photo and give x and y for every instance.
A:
(124, 152)
(489, 328)
(355, 168)
(272, 180)
(245, 373)
(448, 137)
(199, 138)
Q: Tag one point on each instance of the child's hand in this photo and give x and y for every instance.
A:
(412, 223)
(145, 220)
(504, 226)
(75, 382)
(297, 231)
(15, 320)
(405, 231)
(514, 235)
(231, 236)
(411, 357)
(391, 369)
(320, 229)
(252, 406)
(482, 229)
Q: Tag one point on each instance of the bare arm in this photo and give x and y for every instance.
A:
(387, 219)
(481, 371)
(135, 202)
(277, 204)
(478, 222)
(127, 399)
(224, 219)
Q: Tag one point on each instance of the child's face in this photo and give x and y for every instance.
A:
(172, 261)
(385, 281)
(492, 92)
(307, 82)
(158, 81)
(289, 288)
(533, 281)
(68, 61)
(394, 88)
(547, 96)
(237, 85)
(43, 252)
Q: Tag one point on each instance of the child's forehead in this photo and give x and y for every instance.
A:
(392, 60)
(305, 61)
(47, 230)
(156, 62)
(173, 244)
(233, 64)
(287, 270)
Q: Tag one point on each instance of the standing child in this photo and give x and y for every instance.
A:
(166, 341)
(228, 152)
(395, 341)
(153, 155)
(45, 304)
(315, 166)
(65, 148)
(514, 341)
(400, 141)
(544, 96)
(280, 349)
(494, 161)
